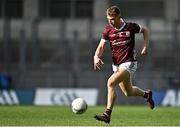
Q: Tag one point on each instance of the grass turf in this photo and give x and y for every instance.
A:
(63, 116)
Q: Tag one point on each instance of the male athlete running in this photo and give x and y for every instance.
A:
(121, 37)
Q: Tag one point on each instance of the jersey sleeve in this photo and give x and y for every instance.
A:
(136, 28)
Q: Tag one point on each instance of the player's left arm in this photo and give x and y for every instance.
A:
(145, 32)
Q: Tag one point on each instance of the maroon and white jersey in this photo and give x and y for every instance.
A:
(122, 41)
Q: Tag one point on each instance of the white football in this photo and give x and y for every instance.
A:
(79, 106)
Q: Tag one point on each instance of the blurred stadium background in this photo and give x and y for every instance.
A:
(47, 48)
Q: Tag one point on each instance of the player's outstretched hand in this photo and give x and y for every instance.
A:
(98, 63)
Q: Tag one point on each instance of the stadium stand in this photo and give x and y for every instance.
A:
(57, 52)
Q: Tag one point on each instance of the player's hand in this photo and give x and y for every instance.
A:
(144, 51)
(98, 63)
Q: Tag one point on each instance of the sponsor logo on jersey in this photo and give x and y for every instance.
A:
(120, 42)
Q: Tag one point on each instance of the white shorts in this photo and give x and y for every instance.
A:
(131, 67)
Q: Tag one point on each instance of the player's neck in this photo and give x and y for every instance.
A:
(119, 25)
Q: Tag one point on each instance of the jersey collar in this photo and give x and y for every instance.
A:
(124, 23)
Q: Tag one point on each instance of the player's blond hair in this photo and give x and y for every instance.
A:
(113, 11)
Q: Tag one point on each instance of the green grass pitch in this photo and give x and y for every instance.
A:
(63, 116)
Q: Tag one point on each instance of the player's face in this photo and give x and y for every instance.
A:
(113, 20)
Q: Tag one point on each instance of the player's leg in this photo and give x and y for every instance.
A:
(130, 90)
(113, 81)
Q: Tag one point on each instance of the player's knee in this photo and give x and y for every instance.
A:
(110, 82)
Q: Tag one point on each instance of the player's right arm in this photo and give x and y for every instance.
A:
(98, 63)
